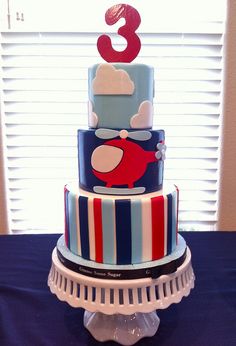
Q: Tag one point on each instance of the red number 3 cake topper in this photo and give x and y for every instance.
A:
(132, 22)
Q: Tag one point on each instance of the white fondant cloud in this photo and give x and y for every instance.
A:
(92, 116)
(143, 119)
(109, 81)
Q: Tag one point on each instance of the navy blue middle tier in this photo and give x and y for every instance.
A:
(121, 162)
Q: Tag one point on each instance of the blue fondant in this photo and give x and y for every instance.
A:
(108, 225)
(72, 225)
(88, 141)
(84, 232)
(123, 231)
(67, 218)
(115, 111)
(136, 226)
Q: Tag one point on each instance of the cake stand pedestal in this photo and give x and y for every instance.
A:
(124, 329)
(120, 310)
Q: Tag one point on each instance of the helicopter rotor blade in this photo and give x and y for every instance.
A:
(140, 135)
(106, 133)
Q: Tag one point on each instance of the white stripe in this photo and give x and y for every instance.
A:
(77, 223)
(147, 229)
(165, 222)
(91, 229)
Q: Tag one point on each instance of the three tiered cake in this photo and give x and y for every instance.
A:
(121, 221)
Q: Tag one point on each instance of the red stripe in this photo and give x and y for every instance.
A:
(65, 222)
(158, 234)
(97, 207)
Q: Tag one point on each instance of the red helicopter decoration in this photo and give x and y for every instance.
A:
(120, 161)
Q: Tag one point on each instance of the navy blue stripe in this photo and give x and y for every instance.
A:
(67, 217)
(169, 223)
(123, 231)
(84, 231)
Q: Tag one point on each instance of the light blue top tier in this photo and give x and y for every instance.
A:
(120, 96)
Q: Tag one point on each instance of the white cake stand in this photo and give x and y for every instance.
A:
(120, 310)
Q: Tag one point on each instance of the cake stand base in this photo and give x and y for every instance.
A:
(124, 329)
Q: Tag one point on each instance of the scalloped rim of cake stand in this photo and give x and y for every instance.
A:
(120, 296)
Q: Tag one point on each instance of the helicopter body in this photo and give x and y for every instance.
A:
(129, 162)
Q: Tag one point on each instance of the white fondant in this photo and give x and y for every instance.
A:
(143, 119)
(105, 158)
(77, 223)
(91, 230)
(165, 222)
(146, 229)
(109, 81)
(92, 116)
(118, 191)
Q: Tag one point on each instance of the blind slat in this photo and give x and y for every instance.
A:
(14, 84)
(51, 61)
(70, 73)
(74, 96)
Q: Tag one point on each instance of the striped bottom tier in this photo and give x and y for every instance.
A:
(121, 229)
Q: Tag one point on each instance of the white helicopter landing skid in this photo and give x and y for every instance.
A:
(118, 191)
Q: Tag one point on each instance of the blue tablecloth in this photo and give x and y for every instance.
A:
(31, 316)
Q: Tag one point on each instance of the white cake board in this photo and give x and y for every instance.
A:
(120, 310)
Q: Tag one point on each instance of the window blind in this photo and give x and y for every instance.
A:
(44, 102)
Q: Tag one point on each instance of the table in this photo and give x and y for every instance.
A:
(31, 316)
